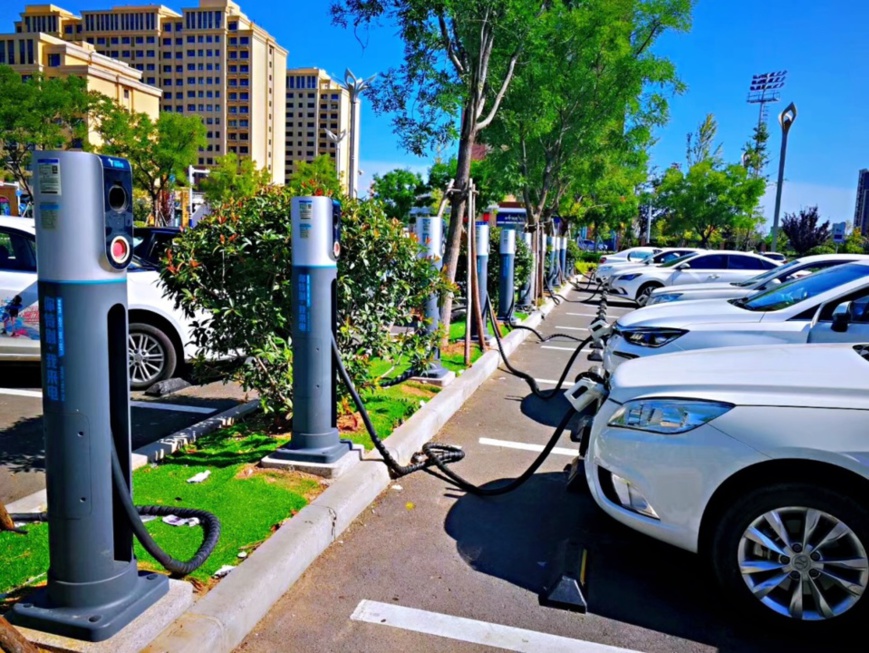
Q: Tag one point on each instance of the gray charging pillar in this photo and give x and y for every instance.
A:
(429, 232)
(84, 235)
(506, 286)
(526, 292)
(552, 277)
(482, 241)
(316, 244)
(564, 272)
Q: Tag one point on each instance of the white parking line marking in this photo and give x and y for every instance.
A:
(558, 348)
(547, 381)
(181, 408)
(571, 328)
(507, 638)
(507, 444)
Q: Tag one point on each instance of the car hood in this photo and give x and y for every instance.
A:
(690, 287)
(819, 376)
(683, 314)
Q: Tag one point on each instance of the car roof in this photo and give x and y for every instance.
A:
(24, 224)
(832, 257)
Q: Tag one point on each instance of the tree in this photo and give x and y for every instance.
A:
(803, 231)
(491, 183)
(754, 153)
(710, 199)
(40, 113)
(233, 179)
(159, 152)
(398, 191)
(317, 177)
(459, 60)
(699, 145)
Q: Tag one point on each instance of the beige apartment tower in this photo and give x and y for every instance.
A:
(211, 61)
(316, 103)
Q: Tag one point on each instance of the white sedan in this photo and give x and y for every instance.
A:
(794, 270)
(631, 255)
(703, 267)
(604, 271)
(755, 457)
(159, 334)
(796, 312)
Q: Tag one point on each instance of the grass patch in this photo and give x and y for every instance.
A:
(249, 502)
(388, 409)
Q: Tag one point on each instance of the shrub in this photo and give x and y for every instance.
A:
(233, 275)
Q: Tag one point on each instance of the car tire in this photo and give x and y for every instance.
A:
(746, 538)
(152, 356)
(645, 292)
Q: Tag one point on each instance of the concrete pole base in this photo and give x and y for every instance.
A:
(329, 471)
(441, 380)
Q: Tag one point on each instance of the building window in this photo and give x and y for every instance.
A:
(125, 54)
(151, 39)
(244, 40)
(233, 26)
(245, 54)
(53, 60)
(125, 39)
(191, 94)
(114, 40)
(179, 109)
(126, 94)
(151, 81)
(191, 66)
(191, 53)
(200, 53)
(191, 107)
(167, 42)
(179, 42)
(167, 27)
(150, 53)
(140, 53)
(167, 96)
(167, 82)
(140, 39)
(150, 66)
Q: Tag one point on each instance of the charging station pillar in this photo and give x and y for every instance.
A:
(526, 292)
(84, 235)
(551, 247)
(482, 240)
(506, 286)
(565, 273)
(316, 223)
(429, 232)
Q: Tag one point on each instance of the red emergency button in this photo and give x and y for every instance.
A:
(119, 250)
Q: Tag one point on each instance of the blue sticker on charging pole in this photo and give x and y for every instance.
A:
(304, 302)
(53, 342)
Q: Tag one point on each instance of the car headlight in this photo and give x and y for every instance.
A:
(663, 298)
(653, 337)
(667, 416)
(628, 277)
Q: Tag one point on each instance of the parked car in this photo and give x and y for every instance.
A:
(150, 243)
(794, 270)
(616, 266)
(702, 267)
(632, 255)
(586, 245)
(775, 256)
(757, 459)
(159, 334)
(796, 312)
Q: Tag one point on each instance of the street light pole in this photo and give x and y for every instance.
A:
(786, 119)
(355, 86)
(336, 138)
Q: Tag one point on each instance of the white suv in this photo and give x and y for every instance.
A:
(159, 334)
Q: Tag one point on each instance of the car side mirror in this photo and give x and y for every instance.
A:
(842, 317)
(683, 266)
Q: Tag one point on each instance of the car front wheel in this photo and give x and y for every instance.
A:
(796, 552)
(152, 356)
(645, 292)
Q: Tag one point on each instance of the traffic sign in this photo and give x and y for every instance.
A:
(839, 233)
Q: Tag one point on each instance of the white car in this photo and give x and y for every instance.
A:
(796, 312)
(703, 267)
(159, 335)
(632, 255)
(761, 468)
(794, 270)
(606, 270)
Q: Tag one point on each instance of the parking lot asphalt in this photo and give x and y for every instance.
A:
(428, 568)
(21, 432)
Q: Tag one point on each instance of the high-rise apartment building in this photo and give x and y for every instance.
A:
(315, 103)
(861, 211)
(211, 61)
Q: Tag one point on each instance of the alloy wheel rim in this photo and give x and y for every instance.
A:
(803, 563)
(644, 296)
(147, 357)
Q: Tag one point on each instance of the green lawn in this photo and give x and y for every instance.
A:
(388, 409)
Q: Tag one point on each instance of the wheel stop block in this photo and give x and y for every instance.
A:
(566, 586)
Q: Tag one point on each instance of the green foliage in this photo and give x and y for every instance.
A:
(854, 243)
(803, 231)
(40, 113)
(233, 179)
(319, 177)
(820, 249)
(398, 190)
(236, 268)
(491, 183)
(159, 152)
(700, 145)
(755, 155)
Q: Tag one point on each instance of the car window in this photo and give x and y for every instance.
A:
(809, 269)
(800, 290)
(677, 261)
(774, 273)
(17, 252)
(639, 256)
(737, 262)
(710, 262)
(860, 310)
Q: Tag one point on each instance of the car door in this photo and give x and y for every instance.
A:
(701, 269)
(741, 267)
(19, 309)
(858, 328)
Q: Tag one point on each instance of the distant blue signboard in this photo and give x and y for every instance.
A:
(839, 233)
(510, 218)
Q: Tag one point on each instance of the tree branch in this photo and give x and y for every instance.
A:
(448, 42)
(501, 93)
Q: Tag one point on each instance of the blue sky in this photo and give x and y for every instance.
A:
(822, 45)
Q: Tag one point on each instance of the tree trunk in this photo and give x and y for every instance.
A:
(6, 523)
(454, 231)
(11, 641)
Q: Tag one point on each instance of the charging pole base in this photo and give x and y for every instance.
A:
(436, 375)
(566, 586)
(44, 623)
(287, 459)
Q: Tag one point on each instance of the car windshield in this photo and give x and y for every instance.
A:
(639, 256)
(677, 261)
(802, 289)
(766, 276)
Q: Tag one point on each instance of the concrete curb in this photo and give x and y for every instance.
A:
(221, 620)
(38, 501)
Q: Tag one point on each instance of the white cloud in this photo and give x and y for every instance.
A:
(371, 168)
(834, 203)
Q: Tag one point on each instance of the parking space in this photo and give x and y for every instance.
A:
(21, 432)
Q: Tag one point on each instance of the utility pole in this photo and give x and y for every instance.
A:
(786, 119)
(355, 87)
